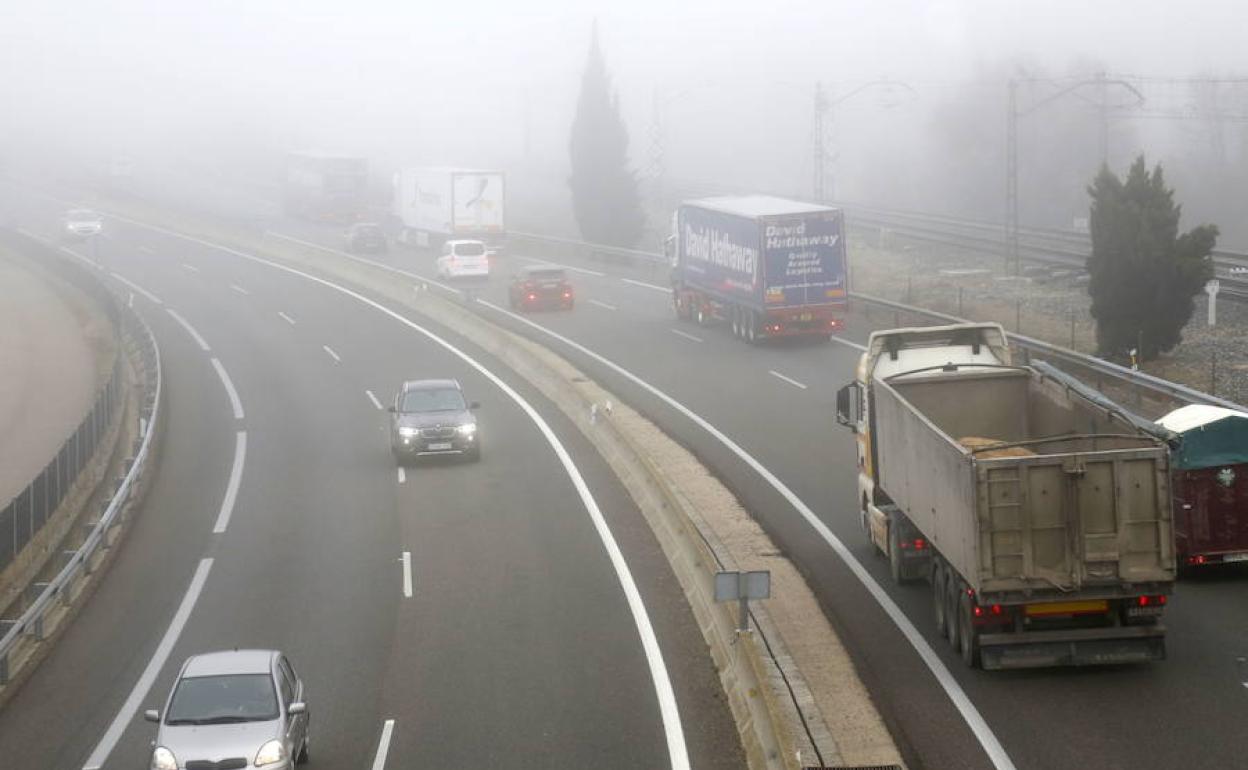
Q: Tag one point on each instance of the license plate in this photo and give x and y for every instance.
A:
(1067, 608)
(1235, 557)
(806, 317)
(440, 447)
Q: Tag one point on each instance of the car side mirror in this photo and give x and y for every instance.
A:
(296, 708)
(475, 405)
(847, 399)
(152, 715)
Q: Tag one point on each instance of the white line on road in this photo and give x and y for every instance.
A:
(668, 709)
(601, 304)
(970, 714)
(402, 475)
(644, 285)
(789, 380)
(239, 289)
(151, 297)
(373, 398)
(383, 748)
(146, 250)
(130, 300)
(286, 318)
(331, 353)
(203, 344)
(565, 267)
(850, 343)
(235, 402)
(231, 489)
(354, 258)
(113, 734)
(407, 574)
(686, 335)
(190, 268)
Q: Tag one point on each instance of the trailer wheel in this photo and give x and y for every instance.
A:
(952, 590)
(938, 597)
(968, 637)
(751, 327)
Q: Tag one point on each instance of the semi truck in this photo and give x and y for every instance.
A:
(1037, 509)
(1210, 479)
(327, 188)
(768, 267)
(435, 205)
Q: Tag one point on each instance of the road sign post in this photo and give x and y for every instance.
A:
(1211, 288)
(741, 587)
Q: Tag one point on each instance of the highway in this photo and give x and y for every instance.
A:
(473, 608)
(777, 404)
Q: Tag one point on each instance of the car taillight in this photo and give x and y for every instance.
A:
(532, 297)
(1197, 559)
(567, 294)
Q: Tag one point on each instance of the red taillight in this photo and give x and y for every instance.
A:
(567, 294)
(532, 297)
(979, 611)
(997, 609)
(919, 544)
(1197, 559)
(1150, 601)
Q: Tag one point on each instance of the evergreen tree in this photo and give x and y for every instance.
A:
(605, 198)
(1144, 274)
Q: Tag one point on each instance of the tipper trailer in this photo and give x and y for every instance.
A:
(1038, 510)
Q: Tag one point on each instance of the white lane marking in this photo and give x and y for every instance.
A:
(286, 318)
(601, 304)
(850, 343)
(239, 289)
(789, 380)
(407, 574)
(113, 734)
(644, 285)
(231, 489)
(331, 353)
(203, 344)
(362, 260)
(151, 297)
(235, 402)
(686, 335)
(146, 250)
(373, 398)
(383, 748)
(190, 268)
(402, 475)
(532, 260)
(130, 299)
(970, 714)
(670, 713)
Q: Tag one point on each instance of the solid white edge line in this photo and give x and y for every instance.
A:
(383, 746)
(331, 353)
(231, 489)
(361, 260)
(151, 297)
(191, 268)
(850, 343)
(199, 340)
(402, 475)
(239, 289)
(970, 714)
(644, 285)
(536, 261)
(407, 574)
(373, 398)
(601, 304)
(286, 318)
(146, 250)
(99, 755)
(789, 380)
(670, 714)
(686, 335)
(235, 403)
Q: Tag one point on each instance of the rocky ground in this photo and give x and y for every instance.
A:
(1049, 304)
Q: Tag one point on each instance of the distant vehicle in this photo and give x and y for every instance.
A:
(1239, 270)
(440, 204)
(464, 259)
(1210, 484)
(366, 237)
(1033, 505)
(770, 267)
(541, 286)
(325, 188)
(431, 417)
(82, 223)
(238, 708)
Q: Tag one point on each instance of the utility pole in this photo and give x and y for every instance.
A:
(1011, 180)
(819, 150)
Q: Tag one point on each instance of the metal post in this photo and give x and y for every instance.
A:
(1213, 373)
(959, 302)
(1018, 316)
(819, 152)
(1072, 328)
(1011, 181)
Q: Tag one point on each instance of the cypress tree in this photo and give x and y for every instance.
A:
(1144, 274)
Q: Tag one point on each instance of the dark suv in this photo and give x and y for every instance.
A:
(431, 417)
(541, 286)
(366, 237)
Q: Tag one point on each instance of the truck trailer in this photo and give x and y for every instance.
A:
(435, 205)
(327, 188)
(769, 267)
(1038, 511)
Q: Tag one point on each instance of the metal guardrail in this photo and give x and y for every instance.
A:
(135, 331)
(1136, 380)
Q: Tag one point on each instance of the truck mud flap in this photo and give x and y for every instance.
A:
(1084, 647)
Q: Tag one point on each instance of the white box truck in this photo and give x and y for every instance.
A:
(438, 204)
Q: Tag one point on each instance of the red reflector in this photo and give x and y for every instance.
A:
(979, 611)
(996, 609)
(1143, 601)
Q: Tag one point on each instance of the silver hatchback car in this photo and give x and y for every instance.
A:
(233, 709)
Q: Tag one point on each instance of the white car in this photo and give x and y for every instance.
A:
(82, 223)
(464, 259)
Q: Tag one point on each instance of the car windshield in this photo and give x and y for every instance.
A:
(547, 274)
(367, 230)
(433, 400)
(80, 214)
(207, 700)
(469, 249)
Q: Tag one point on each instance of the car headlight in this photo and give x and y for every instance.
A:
(468, 429)
(269, 753)
(163, 759)
(407, 432)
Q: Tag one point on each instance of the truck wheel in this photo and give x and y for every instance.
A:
(968, 637)
(751, 326)
(938, 597)
(952, 589)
